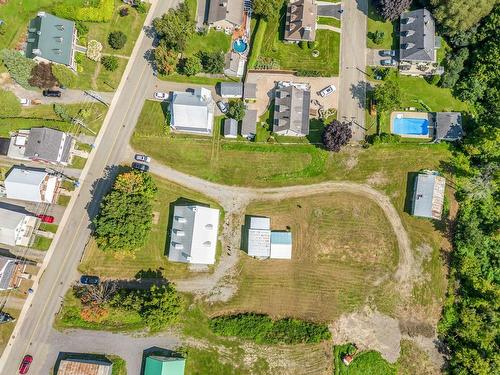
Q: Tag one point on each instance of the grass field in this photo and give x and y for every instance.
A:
(52, 228)
(376, 22)
(41, 243)
(94, 77)
(63, 200)
(78, 162)
(369, 362)
(153, 255)
(341, 242)
(329, 21)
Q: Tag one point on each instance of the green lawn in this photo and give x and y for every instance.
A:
(63, 200)
(153, 255)
(93, 76)
(268, 40)
(78, 162)
(42, 243)
(7, 328)
(329, 21)
(52, 228)
(376, 22)
(214, 41)
(370, 362)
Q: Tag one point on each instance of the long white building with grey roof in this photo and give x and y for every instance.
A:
(16, 228)
(192, 112)
(428, 195)
(30, 184)
(193, 236)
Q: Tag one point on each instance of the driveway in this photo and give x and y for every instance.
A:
(373, 57)
(265, 88)
(326, 9)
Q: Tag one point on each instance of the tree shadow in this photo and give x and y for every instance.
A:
(82, 357)
(362, 7)
(150, 274)
(8, 254)
(155, 350)
(358, 92)
(179, 202)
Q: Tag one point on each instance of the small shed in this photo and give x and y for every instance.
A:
(428, 195)
(230, 128)
(161, 365)
(231, 89)
(249, 124)
(448, 126)
(281, 245)
(250, 91)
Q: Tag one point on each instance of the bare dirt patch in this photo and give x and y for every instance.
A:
(377, 179)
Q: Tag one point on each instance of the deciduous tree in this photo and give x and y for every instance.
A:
(237, 110)
(175, 27)
(267, 8)
(166, 60)
(117, 39)
(387, 96)
(191, 66)
(392, 9)
(110, 63)
(42, 77)
(336, 135)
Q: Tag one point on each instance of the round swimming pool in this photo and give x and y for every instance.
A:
(239, 45)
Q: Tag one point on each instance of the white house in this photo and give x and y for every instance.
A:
(264, 243)
(193, 237)
(32, 185)
(16, 228)
(192, 112)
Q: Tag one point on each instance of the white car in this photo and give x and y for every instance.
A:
(161, 95)
(143, 158)
(25, 102)
(328, 90)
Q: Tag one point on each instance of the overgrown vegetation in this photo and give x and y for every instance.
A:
(369, 362)
(124, 221)
(19, 67)
(9, 104)
(264, 330)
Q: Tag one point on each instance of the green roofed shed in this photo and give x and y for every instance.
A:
(159, 365)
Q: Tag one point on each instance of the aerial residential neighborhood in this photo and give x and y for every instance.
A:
(249, 187)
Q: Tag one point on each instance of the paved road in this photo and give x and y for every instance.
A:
(353, 65)
(34, 327)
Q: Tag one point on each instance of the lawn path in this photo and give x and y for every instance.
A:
(218, 286)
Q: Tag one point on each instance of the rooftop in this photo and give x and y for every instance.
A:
(234, 89)
(84, 367)
(225, 10)
(428, 195)
(448, 126)
(230, 128)
(48, 144)
(417, 36)
(291, 109)
(192, 111)
(160, 365)
(301, 20)
(249, 123)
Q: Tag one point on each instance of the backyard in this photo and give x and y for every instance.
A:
(377, 23)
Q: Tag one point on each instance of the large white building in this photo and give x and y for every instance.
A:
(16, 228)
(32, 185)
(192, 112)
(193, 237)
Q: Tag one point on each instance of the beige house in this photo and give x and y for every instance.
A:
(301, 18)
(225, 14)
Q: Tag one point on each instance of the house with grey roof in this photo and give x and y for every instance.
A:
(230, 128)
(417, 38)
(291, 109)
(11, 273)
(16, 228)
(249, 124)
(225, 14)
(262, 242)
(234, 64)
(192, 112)
(193, 236)
(300, 23)
(52, 39)
(448, 126)
(231, 89)
(428, 195)
(31, 184)
(250, 91)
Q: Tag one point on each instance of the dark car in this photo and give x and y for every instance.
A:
(25, 364)
(388, 52)
(140, 167)
(388, 62)
(89, 280)
(52, 93)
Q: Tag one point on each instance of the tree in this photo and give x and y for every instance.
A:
(64, 75)
(237, 110)
(19, 67)
(3, 28)
(387, 96)
(175, 27)
(392, 9)
(267, 8)
(212, 62)
(42, 77)
(377, 37)
(140, 7)
(336, 135)
(81, 28)
(456, 16)
(191, 66)
(124, 221)
(9, 104)
(165, 59)
(62, 113)
(454, 64)
(110, 63)
(117, 39)
(123, 11)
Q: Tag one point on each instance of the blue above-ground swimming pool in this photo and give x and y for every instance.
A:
(240, 46)
(410, 126)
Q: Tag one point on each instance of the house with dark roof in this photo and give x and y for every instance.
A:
(428, 195)
(448, 126)
(231, 89)
(225, 14)
(11, 273)
(51, 39)
(230, 128)
(417, 38)
(249, 124)
(291, 109)
(301, 18)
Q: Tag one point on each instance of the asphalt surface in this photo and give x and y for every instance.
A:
(352, 66)
(34, 328)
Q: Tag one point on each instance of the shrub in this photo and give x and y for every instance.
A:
(42, 77)
(263, 330)
(94, 49)
(123, 12)
(110, 63)
(191, 66)
(376, 139)
(308, 73)
(212, 62)
(62, 113)
(140, 7)
(237, 110)
(382, 72)
(19, 67)
(64, 75)
(312, 44)
(377, 37)
(117, 39)
(3, 28)
(81, 28)
(9, 104)
(101, 13)
(433, 79)
(303, 44)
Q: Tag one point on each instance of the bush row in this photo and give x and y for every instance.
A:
(264, 330)
(101, 13)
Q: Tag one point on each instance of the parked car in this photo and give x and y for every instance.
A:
(161, 95)
(25, 102)
(46, 218)
(25, 364)
(224, 107)
(89, 280)
(388, 52)
(143, 158)
(328, 90)
(140, 167)
(52, 93)
(388, 62)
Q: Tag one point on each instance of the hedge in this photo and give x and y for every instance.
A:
(101, 13)
(19, 67)
(264, 330)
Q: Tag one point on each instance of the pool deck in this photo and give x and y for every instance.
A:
(424, 115)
